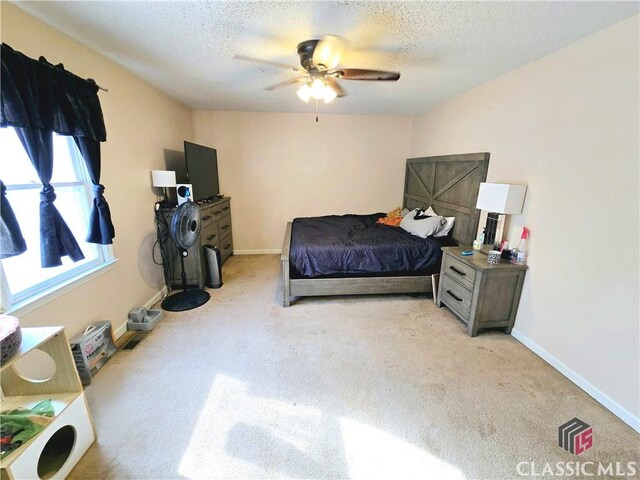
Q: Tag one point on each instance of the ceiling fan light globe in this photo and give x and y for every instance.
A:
(329, 94)
(304, 93)
(317, 89)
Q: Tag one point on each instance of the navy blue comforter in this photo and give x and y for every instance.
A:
(356, 244)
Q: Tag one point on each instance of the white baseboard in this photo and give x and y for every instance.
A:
(155, 299)
(601, 397)
(118, 332)
(121, 330)
(264, 251)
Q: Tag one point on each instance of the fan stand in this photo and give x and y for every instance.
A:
(187, 299)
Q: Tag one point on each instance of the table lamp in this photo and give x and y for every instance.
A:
(164, 179)
(499, 199)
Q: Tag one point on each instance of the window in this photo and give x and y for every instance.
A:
(22, 276)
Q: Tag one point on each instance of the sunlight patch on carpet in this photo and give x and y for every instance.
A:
(261, 437)
(267, 438)
(372, 453)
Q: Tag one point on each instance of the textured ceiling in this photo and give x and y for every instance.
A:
(441, 48)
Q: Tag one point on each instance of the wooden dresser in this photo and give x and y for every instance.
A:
(482, 295)
(216, 226)
(216, 231)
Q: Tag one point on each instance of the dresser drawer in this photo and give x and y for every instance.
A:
(226, 247)
(457, 297)
(206, 218)
(210, 234)
(221, 210)
(225, 208)
(462, 272)
(225, 226)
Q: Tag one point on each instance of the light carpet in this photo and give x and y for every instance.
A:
(342, 387)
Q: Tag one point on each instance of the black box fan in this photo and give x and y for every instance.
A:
(184, 230)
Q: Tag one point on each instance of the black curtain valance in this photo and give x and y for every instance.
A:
(42, 96)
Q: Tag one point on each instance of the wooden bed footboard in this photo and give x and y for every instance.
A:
(309, 287)
(284, 259)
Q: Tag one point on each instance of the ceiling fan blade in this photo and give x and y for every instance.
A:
(291, 81)
(335, 86)
(267, 62)
(362, 74)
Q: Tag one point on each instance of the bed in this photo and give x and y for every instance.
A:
(448, 183)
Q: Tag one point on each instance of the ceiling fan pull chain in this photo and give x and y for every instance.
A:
(316, 110)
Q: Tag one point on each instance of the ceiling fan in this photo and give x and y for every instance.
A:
(319, 60)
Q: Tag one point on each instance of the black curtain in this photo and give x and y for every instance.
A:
(56, 239)
(39, 98)
(101, 228)
(11, 240)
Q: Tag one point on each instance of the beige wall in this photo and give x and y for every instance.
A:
(141, 122)
(277, 166)
(567, 125)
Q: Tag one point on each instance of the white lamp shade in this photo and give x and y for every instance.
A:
(501, 198)
(329, 94)
(317, 89)
(304, 93)
(163, 178)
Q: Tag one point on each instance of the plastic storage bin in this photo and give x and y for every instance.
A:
(142, 319)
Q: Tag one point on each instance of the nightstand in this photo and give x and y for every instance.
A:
(482, 295)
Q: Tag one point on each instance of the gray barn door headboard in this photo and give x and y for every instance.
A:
(450, 184)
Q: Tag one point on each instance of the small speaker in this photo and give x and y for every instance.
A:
(184, 192)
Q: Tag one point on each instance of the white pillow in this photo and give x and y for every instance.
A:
(422, 227)
(444, 231)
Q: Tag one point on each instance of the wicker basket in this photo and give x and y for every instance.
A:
(10, 337)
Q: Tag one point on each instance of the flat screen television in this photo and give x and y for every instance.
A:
(202, 171)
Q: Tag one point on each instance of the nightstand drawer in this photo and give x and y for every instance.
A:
(457, 297)
(462, 272)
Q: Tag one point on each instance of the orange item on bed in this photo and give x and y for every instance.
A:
(393, 218)
(392, 222)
